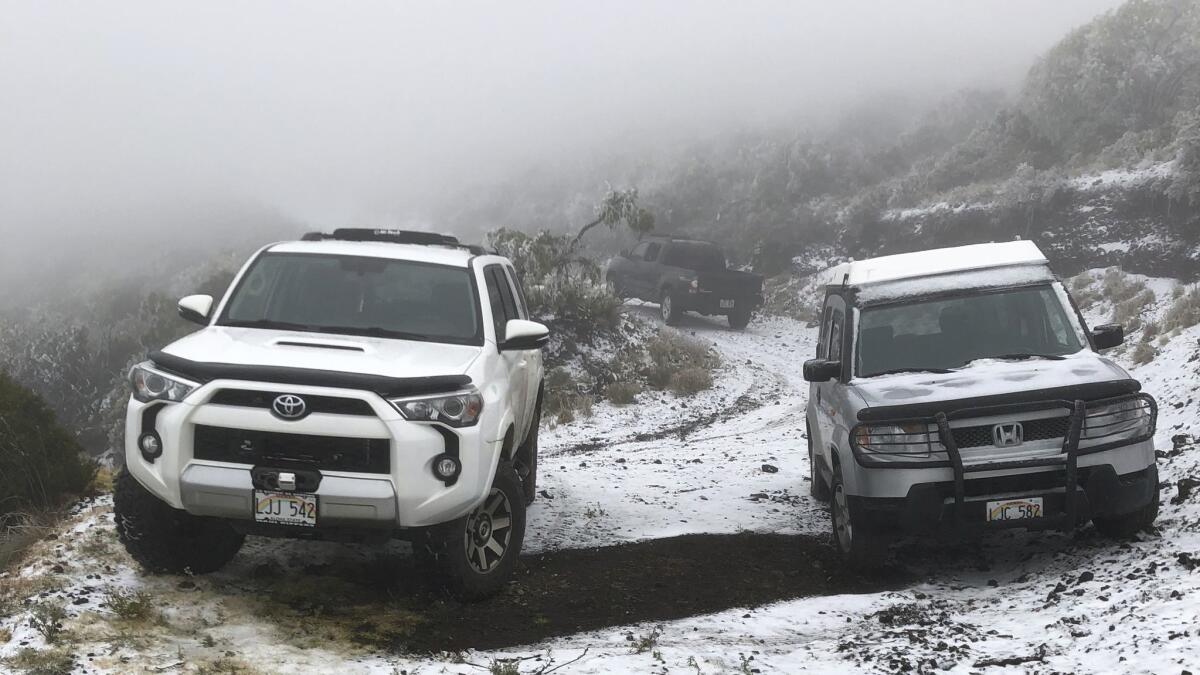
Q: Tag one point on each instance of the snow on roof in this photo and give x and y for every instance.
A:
(441, 255)
(933, 262)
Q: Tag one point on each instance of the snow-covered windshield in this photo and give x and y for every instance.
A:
(354, 295)
(950, 332)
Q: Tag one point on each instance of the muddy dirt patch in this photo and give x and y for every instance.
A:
(386, 604)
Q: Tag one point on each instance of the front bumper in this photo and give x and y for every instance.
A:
(404, 494)
(931, 508)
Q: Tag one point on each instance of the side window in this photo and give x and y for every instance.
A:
(835, 336)
(522, 307)
(823, 337)
(493, 277)
(639, 251)
(652, 252)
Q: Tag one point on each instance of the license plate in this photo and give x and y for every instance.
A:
(1014, 509)
(727, 304)
(285, 508)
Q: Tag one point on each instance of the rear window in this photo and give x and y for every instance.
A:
(691, 255)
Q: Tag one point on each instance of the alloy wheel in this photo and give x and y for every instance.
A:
(487, 534)
(666, 307)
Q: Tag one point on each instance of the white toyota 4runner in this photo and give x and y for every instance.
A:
(363, 385)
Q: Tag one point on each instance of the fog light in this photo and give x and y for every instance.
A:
(150, 445)
(446, 467)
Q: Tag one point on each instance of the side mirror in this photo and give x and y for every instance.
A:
(821, 370)
(520, 334)
(196, 308)
(1108, 336)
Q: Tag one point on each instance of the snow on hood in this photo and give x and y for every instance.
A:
(986, 377)
(378, 356)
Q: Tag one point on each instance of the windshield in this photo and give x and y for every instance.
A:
(695, 256)
(353, 295)
(951, 332)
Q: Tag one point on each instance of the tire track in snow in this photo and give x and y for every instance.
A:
(727, 460)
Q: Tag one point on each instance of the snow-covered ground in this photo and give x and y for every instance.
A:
(729, 460)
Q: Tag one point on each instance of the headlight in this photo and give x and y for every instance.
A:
(150, 384)
(461, 409)
(1122, 420)
(897, 442)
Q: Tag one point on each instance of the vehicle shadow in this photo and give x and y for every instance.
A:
(386, 603)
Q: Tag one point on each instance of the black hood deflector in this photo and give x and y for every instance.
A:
(205, 371)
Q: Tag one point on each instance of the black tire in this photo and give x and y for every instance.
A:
(739, 319)
(817, 486)
(527, 455)
(1128, 525)
(165, 540)
(860, 549)
(457, 564)
(668, 303)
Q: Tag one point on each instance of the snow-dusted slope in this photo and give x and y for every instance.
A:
(732, 459)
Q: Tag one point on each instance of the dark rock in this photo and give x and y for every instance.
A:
(770, 468)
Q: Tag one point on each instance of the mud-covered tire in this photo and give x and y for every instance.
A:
(739, 319)
(817, 487)
(445, 551)
(527, 455)
(1128, 525)
(862, 550)
(668, 304)
(165, 540)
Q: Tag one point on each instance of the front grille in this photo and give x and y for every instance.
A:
(333, 453)
(333, 405)
(1035, 430)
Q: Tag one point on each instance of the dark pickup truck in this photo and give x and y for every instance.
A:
(685, 275)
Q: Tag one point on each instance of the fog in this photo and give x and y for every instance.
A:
(129, 127)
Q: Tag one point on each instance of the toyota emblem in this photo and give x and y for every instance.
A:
(289, 407)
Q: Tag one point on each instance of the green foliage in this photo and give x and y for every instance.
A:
(129, 605)
(40, 462)
(46, 618)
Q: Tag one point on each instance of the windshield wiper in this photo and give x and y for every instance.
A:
(893, 371)
(1028, 355)
(373, 331)
(268, 324)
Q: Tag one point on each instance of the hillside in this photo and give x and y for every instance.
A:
(1119, 94)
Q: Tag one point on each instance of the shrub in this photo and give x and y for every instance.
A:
(46, 618)
(623, 393)
(566, 396)
(1143, 353)
(40, 463)
(671, 353)
(129, 605)
(1184, 312)
(690, 381)
(1128, 312)
(43, 661)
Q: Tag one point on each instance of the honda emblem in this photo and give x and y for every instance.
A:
(1008, 435)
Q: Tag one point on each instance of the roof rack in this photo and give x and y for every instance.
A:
(393, 237)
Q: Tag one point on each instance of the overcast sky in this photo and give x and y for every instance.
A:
(338, 112)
